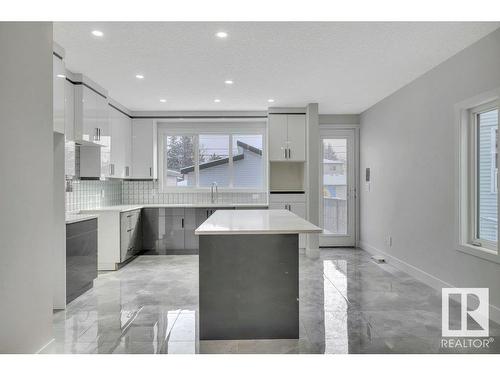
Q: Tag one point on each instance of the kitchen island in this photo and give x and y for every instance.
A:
(249, 274)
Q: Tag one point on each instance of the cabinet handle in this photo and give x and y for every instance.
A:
(150, 171)
(289, 153)
(285, 152)
(207, 214)
(126, 171)
(182, 222)
(129, 230)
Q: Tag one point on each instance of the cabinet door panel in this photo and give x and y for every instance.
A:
(298, 209)
(277, 206)
(297, 137)
(190, 219)
(143, 148)
(89, 113)
(277, 137)
(173, 237)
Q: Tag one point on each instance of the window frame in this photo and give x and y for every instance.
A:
(206, 127)
(466, 209)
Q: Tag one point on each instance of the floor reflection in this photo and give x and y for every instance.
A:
(348, 304)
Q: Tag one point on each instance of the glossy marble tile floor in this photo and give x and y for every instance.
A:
(348, 304)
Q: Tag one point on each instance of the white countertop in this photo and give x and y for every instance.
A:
(125, 208)
(255, 222)
(75, 218)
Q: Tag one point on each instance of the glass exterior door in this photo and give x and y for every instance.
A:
(337, 174)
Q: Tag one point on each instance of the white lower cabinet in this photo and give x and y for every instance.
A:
(119, 237)
(295, 203)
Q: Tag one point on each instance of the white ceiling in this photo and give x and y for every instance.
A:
(345, 67)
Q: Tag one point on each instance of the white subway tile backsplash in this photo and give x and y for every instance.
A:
(147, 192)
(89, 194)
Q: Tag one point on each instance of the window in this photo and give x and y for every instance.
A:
(231, 155)
(485, 121)
(213, 160)
(478, 180)
(178, 160)
(494, 159)
(248, 169)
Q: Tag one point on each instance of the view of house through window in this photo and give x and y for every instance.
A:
(248, 170)
(487, 170)
(213, 158)
(229, 160)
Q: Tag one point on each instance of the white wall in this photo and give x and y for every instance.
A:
(26, 183)
(408, 141)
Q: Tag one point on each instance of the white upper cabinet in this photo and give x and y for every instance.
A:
(144, 149)
(296, 137)
(277, 137)
(69, 111)
(59, 83)
(93, 132)
(287, 137)
(121, 146)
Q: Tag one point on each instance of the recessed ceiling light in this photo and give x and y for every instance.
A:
(270, 100)
(61, 76)
(163, 100)
(217, 100)
(221, 35)
(139, 76)
(228, 82)
(97, 33)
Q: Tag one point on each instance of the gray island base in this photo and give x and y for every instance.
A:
(249, 287)
(249, 275)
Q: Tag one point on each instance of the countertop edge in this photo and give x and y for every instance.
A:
(233, 232)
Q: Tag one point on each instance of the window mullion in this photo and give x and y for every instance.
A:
(197, 160)
(230, 156)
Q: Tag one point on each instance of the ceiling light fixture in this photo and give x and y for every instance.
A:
(97, 33)
(221, 35)
(217, 100)
(270, 100)
(163, 100)
(139, 76)
(228, 82)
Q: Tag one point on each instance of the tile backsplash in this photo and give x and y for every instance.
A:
(148, 192)
(89, 194)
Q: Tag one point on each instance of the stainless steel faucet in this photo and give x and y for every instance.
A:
(214, 197)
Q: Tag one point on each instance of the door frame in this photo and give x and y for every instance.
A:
(327, 130)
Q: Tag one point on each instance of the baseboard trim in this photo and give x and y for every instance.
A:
(428, 279)
(43, 347)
